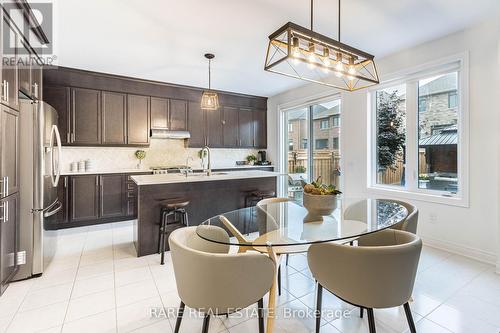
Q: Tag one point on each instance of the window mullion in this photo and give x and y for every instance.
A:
(411, 174)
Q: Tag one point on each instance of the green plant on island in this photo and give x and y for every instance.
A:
(318, 188)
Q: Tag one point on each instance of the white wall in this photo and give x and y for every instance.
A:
(472, 231)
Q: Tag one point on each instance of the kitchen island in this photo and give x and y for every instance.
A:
(208, 195)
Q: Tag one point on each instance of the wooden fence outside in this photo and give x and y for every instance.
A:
(327, 165)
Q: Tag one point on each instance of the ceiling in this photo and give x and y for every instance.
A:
(165, 40)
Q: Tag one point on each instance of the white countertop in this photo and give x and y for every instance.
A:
(178, 178)
(99, 171)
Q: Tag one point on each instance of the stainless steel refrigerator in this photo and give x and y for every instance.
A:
(40, 156)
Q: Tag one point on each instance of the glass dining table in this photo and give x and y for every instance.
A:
(280, 228)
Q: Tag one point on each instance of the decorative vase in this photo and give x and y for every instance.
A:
(318, 206)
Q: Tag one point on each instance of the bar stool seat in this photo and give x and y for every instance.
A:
(171, 207)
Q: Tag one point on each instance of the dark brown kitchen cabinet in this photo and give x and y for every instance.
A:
(159, 113)
(84, 198)
(59, 98)
(112, 195)
(9, 170)
(9, 93)
(85, 116)
(259, 129)
(114, 118)
(230, 127)
(196, 125)
(9, 242)
(24, 71)
(178, 115)
(214, 128)
(245, 127)
(138, 120)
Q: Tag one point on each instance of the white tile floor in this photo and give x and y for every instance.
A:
(97, 284)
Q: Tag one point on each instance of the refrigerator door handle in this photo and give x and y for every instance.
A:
(53, 211)
(56, 165)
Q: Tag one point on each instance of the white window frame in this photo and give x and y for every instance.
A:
(411, 191)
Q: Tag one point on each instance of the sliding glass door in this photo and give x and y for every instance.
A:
(312, 140)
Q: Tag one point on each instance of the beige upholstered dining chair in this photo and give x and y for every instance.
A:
(370, 277)
(214, 282)
(270, 201)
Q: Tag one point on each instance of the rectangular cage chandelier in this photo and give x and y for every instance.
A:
(301, 53)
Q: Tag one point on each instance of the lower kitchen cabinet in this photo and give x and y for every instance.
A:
(84, 198)
(95, 199)
(112, 196)
(9, 239)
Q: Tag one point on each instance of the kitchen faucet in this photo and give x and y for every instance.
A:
(186, 168)
(209, 169)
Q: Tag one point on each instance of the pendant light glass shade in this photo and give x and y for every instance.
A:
(209, 98)
(301, 53)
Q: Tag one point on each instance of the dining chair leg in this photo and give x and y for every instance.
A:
(361, 311)
(260, 305)
(319, 301)
(409, 317)
(279, 280)
(206, 323)
(371, 320)
(179, 317)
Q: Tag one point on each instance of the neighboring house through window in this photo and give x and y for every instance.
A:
(336, 120)
(324, 124)
(321, 144)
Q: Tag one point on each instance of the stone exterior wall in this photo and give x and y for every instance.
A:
(437, 114)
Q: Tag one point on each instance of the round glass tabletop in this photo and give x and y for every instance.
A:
(283, 224)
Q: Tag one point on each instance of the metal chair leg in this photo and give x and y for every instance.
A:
(409, 317)
(206, 323)
(186, 218)
(160, 238)
(319, 301)
(260, 305)
(371, 321)
(179, 317)
(163, 243)
(279, 280)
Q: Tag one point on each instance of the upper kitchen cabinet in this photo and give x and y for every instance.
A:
(214, 128)
(246, 128)
(9, 170)
(114, 118)
(59, 98)
(230, 138)
(159, 113)
(9, 92)
(178, 115)
(85, 116)
(196, 125)
(260, 129)
(138, 120)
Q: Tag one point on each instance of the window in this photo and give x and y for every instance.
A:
(391, 135)
(321, 144)
(290, 145)
(304, 143)
(324, 124)
(452, 99)
(336, 120)
(290, 127)
(335, 143)
(418, 136)
(422, 104)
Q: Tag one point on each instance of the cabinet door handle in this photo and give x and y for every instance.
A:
(4, 90)
(68, 137)
(6, 212)
(72, 137)
(5, 186)
(7, 91)
(65, 182)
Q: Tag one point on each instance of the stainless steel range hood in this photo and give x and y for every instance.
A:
(157, 133)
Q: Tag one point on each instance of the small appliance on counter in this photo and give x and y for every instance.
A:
(262, 158)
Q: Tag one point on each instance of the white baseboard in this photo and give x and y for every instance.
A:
(473, 253)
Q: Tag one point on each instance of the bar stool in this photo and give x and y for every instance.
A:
(255, 196)
(175, 208)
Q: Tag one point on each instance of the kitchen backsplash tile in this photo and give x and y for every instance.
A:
(159, 153)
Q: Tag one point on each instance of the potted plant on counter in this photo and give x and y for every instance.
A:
(319, 200)
(140, 155)
(251, 159)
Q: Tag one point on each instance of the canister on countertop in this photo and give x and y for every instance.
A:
(81, 166)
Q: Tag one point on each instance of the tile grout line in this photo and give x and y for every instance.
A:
(161, 299)
(74, 279)
(114, 274)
